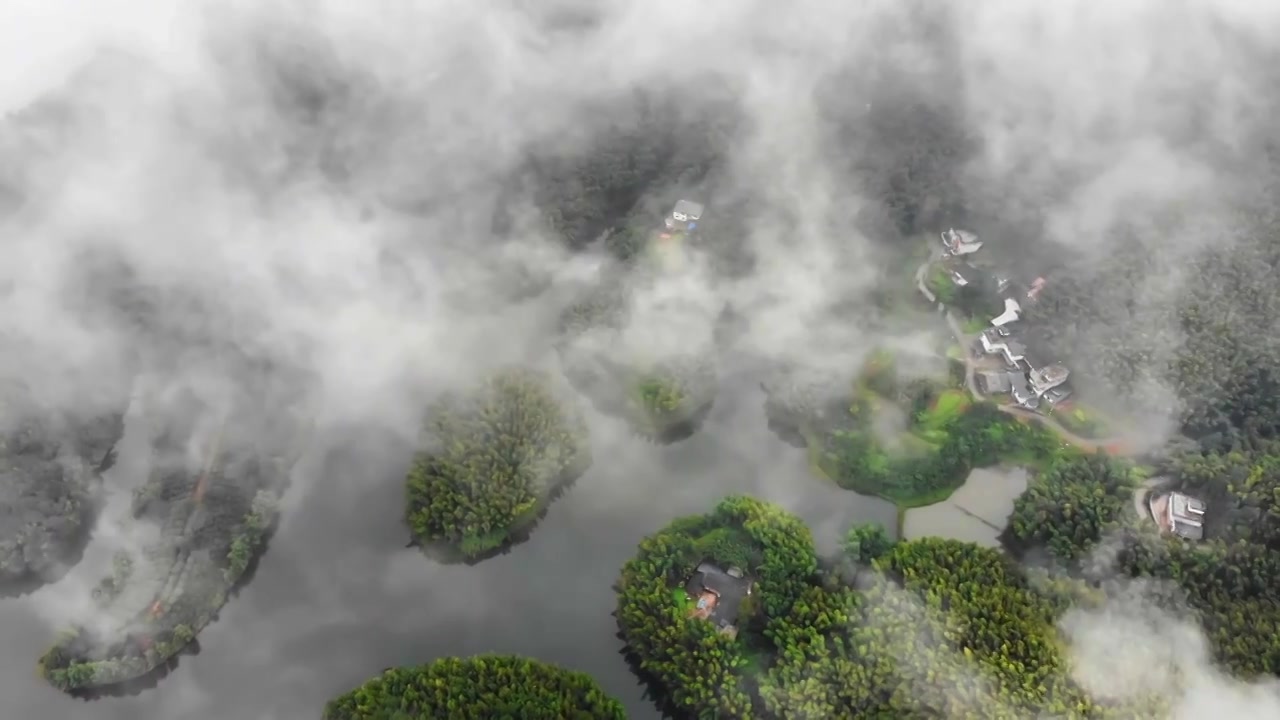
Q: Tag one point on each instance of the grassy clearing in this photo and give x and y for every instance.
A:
(681, 599)
(941, 284)
(974, 325)
(945, 409)
(1082, 421)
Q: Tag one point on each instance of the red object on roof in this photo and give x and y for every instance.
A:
(1036, 287)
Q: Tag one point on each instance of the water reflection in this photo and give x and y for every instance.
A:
(339, 597)
(978, 512)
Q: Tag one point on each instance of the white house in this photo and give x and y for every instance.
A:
(1012, 311)
(685, 215)
(959, 242)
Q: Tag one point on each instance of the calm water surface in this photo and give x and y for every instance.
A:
(338, 597)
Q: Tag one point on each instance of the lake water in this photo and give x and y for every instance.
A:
(977, 512)
(338, 597)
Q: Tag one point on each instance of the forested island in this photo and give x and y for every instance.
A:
(663, 397)
(493, 459)
(477, 688)
(50, 465)
(199, 523)
(930, 628)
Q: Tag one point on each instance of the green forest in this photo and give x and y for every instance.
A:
(484, 687)
(946, 434)
(921, 629)
(494, 458)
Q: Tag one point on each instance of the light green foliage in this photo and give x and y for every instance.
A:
(941, 284)
(660, 396)
(478, 688)
(946, 407)
(979, 436)
(498, 455)
(948, 437)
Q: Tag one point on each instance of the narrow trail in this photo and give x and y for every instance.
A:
(216, 447)
(1114, 445)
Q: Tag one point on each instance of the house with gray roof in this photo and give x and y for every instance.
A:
(684, 216)
(993, 383)
(717, 594)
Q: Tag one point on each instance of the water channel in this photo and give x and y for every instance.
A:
(338, 596)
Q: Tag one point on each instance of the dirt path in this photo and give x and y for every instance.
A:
(1115, 445)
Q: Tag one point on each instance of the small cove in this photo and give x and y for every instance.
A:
(977, 512)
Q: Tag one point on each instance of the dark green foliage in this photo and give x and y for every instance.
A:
(1242, 486)
(1229, 580)
(865, 543)
(484, 687)
(494, 459)
(1232, 589)
(649, 141)
(1104, 320)
(1071, 506)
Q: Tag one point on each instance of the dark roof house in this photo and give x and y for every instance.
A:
(1057, 394)
(1022, 392)
(993, 383)
(717, 594)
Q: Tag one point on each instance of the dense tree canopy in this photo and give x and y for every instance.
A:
(48, 467)
(477, 688)
(931, 628)
(701, 668)
(1230, 579)
(494, 458)
(1069, 507)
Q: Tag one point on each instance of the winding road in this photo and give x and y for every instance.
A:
(1115, 445)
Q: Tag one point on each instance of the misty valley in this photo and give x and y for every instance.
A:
(891, 360)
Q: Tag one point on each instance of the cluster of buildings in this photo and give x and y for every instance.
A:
(1033, 381)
